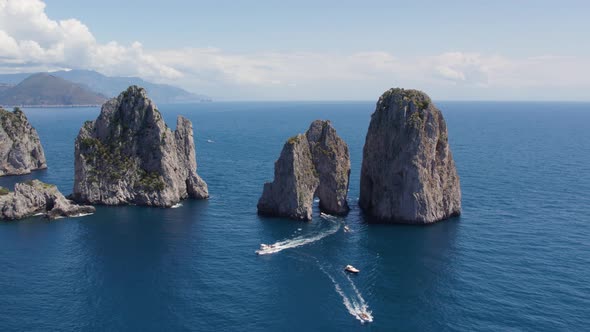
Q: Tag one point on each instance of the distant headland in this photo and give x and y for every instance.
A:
(81, 88)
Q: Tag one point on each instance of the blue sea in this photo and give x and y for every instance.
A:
(517, 259)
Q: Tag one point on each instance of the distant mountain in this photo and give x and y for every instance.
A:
(4, 86)
(112, 86)
(48, 90)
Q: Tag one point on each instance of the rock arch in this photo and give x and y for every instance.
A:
(314, 164)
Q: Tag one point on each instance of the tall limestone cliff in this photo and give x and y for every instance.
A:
(128, 155)
(20, 148)
(408, 174)
(316, 164)
(35, 197)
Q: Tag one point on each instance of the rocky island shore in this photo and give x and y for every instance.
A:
(20, 148)
(314, 164)
(408, 174)
(37, 198)
(128, 155)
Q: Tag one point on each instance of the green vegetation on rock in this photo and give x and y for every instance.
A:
(415, 119)
(88, 125)
(107, 161)
(12, 122)
(422, 105)
(151, 180)
(417, 97)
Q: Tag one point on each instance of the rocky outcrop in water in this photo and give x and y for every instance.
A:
(34, 198)
(20, 148)
(128, 155)
(408, 174)
(316, 164)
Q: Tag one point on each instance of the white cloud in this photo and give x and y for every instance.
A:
(449, 73)
(29, 40)
(8, 46)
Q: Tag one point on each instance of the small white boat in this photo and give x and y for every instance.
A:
(265, 249)
(365, 317)
(351, 269)
(346, 229)
(210, 141)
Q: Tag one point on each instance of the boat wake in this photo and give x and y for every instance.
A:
(302, 239)
(79, 215)
(353, 301)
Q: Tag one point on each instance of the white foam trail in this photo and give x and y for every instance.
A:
(62, 217)
(82, 215)
(362, 302)
(176, 206)
(301, 240)
(355, 304)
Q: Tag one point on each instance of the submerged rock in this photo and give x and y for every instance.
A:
(128, 155)
(316, 164)
(408, 174)
(35, 197)
(20, 148)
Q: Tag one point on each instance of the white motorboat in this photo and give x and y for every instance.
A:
(351, 269)
(265, 248)
(365, 317)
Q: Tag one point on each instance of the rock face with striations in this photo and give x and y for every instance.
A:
(128, 155)
(35, 197)
(408, 174)
(20, 148)
(316, 164)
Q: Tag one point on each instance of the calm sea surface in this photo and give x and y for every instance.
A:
(518, 259)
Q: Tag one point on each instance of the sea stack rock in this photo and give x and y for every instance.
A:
(408, 174)
(35, 197)
(128, 155)
(316, 164)
(20, 148)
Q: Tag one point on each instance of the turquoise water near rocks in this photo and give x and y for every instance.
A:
(518, 259)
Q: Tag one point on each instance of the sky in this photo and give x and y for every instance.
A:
(312, 50)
